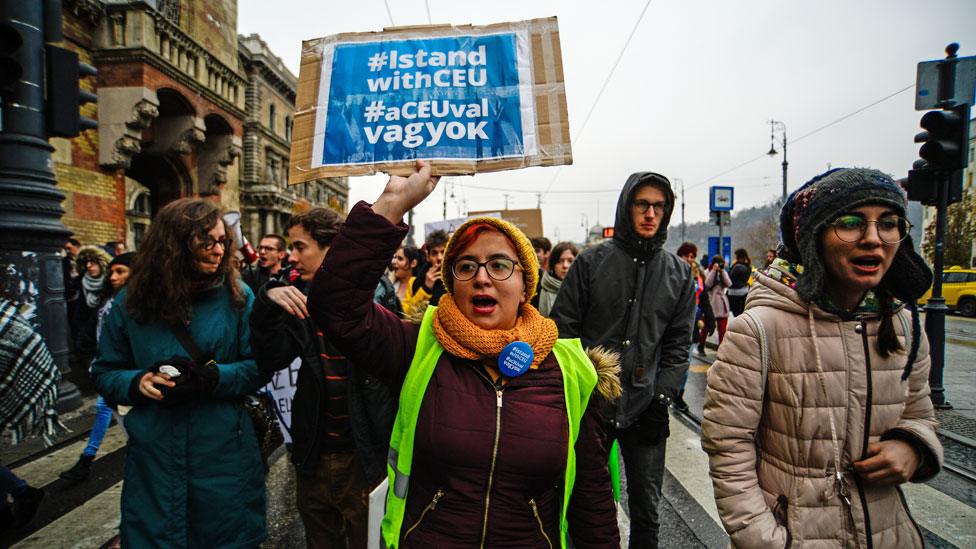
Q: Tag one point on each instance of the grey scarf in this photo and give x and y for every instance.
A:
(92, 288)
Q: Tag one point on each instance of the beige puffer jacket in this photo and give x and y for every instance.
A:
(779, 489)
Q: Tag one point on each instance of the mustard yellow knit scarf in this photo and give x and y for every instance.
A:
(461, 337)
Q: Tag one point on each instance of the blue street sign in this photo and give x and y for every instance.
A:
(726, 248)
(720, 199)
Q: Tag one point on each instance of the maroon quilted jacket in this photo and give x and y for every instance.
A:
(455, 499)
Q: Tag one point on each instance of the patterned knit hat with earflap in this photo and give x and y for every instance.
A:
(823, 199)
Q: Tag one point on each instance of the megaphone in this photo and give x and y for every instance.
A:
(245, 252)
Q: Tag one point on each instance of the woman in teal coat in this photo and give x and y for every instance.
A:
(193, 472)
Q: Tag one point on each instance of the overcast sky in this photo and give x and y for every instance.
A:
(692, 95)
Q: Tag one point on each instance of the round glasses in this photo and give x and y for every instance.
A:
(892, 229)
(210, 242)
(499, 268)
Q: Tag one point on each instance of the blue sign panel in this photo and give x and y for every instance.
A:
(453, 97)
(720, 199)
(726, 249)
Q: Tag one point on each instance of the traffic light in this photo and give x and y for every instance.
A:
(63, 94)
(11, 69)
(946, 139)
(944, 152)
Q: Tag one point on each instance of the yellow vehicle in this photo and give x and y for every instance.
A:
(959, 290)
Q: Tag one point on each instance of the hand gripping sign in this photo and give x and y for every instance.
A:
(469, 99)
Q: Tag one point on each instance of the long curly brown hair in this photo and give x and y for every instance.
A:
(165, 275)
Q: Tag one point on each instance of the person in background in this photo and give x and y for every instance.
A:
(272, 252)
(427, 288)
(716, 282)
(542, 247)
(118, 274)
(635, 298)
(812, 448)
(561, 259)
(87, 295)
(404, 262)
(688, 251)
(28, 404)
(770, 257)
(193, 474)
(71, 248)
(488, 450)
(740, 275)
(342, 417)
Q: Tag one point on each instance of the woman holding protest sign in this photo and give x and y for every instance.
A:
(498, 439)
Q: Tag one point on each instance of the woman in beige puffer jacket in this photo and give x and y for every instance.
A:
(814, 458)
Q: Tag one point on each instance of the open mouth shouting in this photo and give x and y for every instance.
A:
(484, 304)
(866, 264)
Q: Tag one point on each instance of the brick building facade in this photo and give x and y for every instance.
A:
(175, 88)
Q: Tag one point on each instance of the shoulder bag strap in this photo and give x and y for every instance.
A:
(760, 331)
(186, 341)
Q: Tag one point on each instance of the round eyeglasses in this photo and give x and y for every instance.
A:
(499, 268)
(892, 229)
(210, 242)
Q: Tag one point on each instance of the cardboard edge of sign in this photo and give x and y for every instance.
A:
(548, 91)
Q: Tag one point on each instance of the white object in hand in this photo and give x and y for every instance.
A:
(171, 371)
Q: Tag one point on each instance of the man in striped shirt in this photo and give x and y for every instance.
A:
(341, 418)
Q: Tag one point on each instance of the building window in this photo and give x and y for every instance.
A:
(271, 117)
(288, 128)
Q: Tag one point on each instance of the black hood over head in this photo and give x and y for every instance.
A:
(623, 227)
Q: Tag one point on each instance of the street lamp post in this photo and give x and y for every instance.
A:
(773, 126)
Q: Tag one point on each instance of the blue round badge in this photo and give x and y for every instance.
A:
(515, 359)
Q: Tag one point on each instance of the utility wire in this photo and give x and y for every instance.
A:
(388, 12)
(427, 5)
(808, 134)
(603, 88)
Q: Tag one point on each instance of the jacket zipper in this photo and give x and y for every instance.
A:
(430, 507)
(538, 519)
(867, 435)
(494, 456)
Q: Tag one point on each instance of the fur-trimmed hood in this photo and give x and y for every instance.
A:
(92, 252)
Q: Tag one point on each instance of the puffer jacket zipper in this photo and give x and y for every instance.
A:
(430, 507)
(538, 519)
(494, 452)
(867, 435)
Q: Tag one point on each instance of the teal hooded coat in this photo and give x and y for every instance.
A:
(193, 473)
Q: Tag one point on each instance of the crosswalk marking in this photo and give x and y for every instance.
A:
(45, 470)
(90, 524)
(688, 464)
(944, 516)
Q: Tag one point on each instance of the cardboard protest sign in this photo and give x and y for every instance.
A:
(469, 99)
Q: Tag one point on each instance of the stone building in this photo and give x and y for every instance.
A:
(178, 91)
(266, 198)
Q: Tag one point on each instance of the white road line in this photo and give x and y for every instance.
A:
(45, 470)
(946, 517)
(688, 464)
(86, 526)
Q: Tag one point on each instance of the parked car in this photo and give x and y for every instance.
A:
(959, 290)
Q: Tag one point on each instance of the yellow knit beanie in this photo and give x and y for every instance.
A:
(523, 248)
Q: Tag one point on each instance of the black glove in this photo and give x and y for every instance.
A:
(194, 382)
(653, 424)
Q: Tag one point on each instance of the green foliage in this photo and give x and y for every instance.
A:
(960, 233)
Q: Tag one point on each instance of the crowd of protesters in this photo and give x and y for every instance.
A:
(489, 378)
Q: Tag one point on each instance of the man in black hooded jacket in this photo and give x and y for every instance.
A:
(631, 296)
